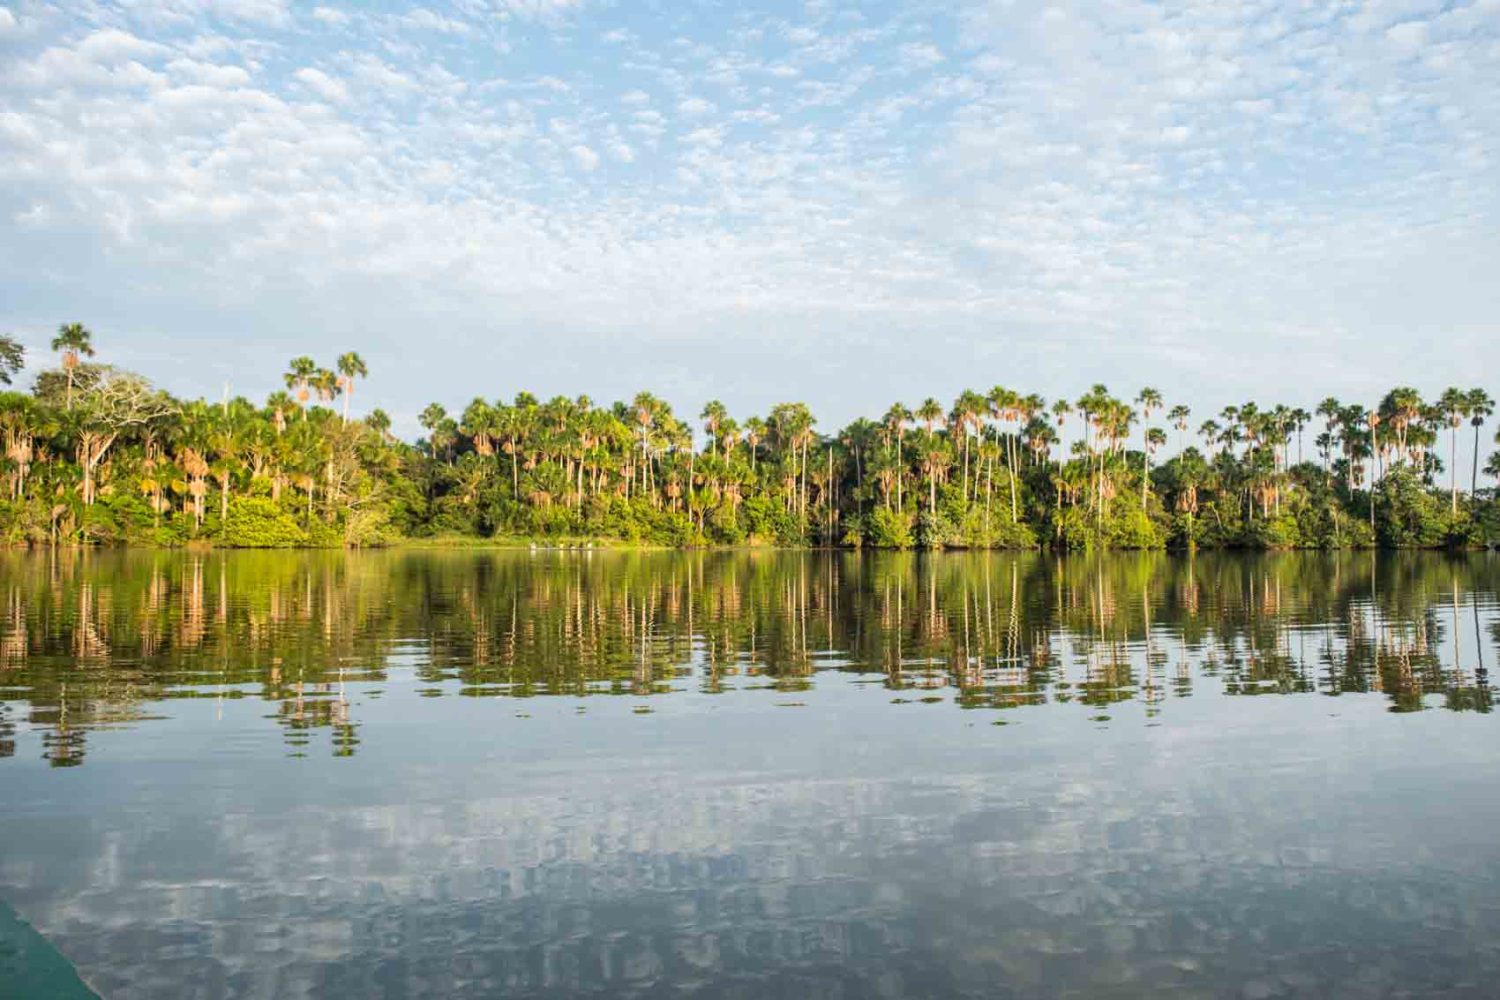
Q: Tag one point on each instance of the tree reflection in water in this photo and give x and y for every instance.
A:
(95, 640)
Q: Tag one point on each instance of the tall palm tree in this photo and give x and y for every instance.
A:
(715, 414)
(326, 384)
(1481, 407)
(1155, 438)
(1399, 410)
(1299, 419)
(351, 366)
(298, 378)
(1149, 400)
(968, 412)
(895, 421)
(1179, 416)
(935, 458)
(74, 341)
(1453, 409)
(432, 418)
(650, 415)
(930, 413)
(755, 433)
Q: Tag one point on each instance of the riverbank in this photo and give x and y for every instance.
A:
(589, 544)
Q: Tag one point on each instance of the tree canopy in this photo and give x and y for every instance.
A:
(96, 454)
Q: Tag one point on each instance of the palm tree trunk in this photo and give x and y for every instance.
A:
(1014, 513)
(901, 466)
(803, 501)
(966, 464)
(1474, 471)
(1453, 468)
(989, 490)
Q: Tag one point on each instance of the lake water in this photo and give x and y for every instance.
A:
(558, 774)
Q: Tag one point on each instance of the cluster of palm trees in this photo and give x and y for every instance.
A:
(996, 467)
(996, 456)
(91, 436)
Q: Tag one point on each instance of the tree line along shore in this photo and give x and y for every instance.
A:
(94, 454)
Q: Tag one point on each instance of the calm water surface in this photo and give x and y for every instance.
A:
(753, 774)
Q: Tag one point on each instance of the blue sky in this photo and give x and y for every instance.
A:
(844, 203)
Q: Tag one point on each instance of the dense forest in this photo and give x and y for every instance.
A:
(94, 454)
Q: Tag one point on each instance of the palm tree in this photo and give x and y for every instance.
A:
(968, 411)
(794, 428)
(1155, 438)
(380, 422)
(930, 413)
(278, 405)
(12, 357)
(1179, 416)
(646, 410)
(1299, 419)
(895, 421)
(73, 340)
(1399, 410)
(1006, 406)
(858, 438)
(21, 424)
(935, 458)
(433, 417)
(326, 384)
(715, 414)
(1452, 409)
(1149, 400)
(755, 433)
(1481, 407)
(351, 366)
(225, 445)
(298, 378)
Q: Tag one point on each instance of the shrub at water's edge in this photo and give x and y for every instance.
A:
(95, 455)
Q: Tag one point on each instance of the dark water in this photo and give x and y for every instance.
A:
(753, 775)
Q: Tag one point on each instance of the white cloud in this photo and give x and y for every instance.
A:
(1409, 36)
(585, 157)
(374, 72)
(322, 84)
(1113, 188)
(424, 19)
(537, 9)
(920, 55)
(271, 12)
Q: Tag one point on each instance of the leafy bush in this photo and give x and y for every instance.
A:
(259, 523)
(1407, 515)
(768, 521)
(889, 529)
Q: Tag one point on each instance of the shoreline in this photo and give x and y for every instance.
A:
(619, 545)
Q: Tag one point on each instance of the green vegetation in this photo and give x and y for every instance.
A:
(97, 455)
